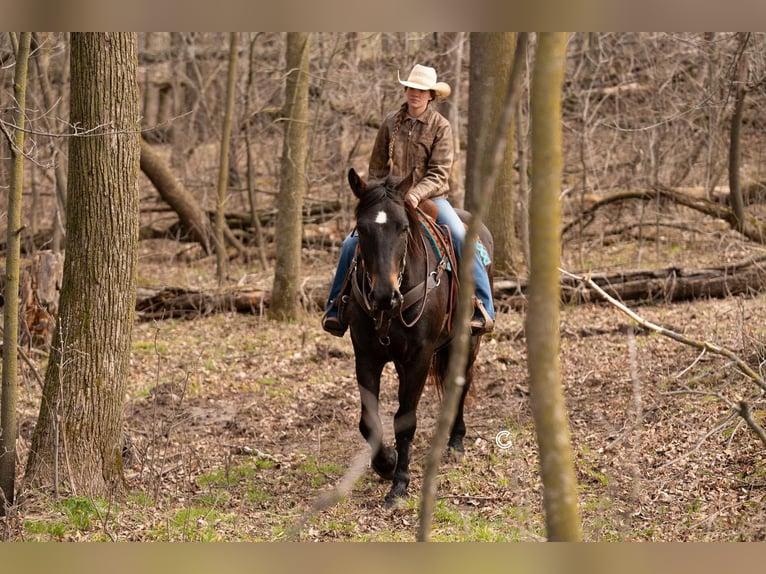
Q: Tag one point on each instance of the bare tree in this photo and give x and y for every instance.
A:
(250, 168)
(451, 62)
(542, 319)
(292, 186)
(78, 436)
(223, 169)
(8, 424)
(42, 62)
(491, 71)
(740, 79)
(191, 214)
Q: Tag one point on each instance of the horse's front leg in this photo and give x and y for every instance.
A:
(383, 458)
(412, 379)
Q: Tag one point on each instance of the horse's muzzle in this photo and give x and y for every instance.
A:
(386, 301)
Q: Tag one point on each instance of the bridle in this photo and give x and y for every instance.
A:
(419, 293)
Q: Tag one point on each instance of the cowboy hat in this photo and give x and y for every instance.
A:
(424, 78)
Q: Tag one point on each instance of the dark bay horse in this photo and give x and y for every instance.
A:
(400, 311)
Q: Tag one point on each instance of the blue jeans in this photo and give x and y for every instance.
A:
(447, 216)
(347, 250)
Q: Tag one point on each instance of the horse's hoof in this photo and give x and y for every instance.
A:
(454, 455)
(455, 450)
(394, 499)
(385, 468)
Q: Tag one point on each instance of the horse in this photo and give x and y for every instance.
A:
(400, 310)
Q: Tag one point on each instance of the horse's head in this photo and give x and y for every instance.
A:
(383, 224)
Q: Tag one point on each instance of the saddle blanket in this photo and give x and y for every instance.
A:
(440, 249)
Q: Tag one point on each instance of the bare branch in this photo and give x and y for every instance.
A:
(337, 493)
(744, 412)
(703, 345)
(726, 422)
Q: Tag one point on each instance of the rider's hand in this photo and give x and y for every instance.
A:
(412, 199)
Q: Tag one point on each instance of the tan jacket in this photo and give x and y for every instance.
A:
(423, 146)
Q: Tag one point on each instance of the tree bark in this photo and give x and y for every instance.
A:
(78, 436)
(39, 301)
(253, 202)
(451, 61)
(497, 62)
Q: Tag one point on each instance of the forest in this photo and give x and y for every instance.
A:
(173, 210)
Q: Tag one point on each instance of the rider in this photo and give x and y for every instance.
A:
(416, 139)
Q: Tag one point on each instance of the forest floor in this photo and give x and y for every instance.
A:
(236, 424)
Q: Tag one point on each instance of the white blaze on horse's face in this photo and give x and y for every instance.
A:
(381, 218)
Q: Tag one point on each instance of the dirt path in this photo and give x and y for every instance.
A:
(237, 424)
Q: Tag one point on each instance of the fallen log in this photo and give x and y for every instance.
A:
(175, 302)
(637, 286)
(651, 286)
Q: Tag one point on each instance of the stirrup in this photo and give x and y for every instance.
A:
(333, 325)
(484, 323)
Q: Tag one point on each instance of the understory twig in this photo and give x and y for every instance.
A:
(726, 422)
(331, 497)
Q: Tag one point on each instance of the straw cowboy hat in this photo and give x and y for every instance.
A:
(424, 78)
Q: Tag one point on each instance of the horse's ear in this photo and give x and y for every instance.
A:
(356, 182)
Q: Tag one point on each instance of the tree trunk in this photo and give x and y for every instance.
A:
(10, 389)
(223, 168)
(78, 436)
(480, 97)
(451, 61)
(542, 319)
(251, 196)
(292, 184)
(735, 191)
(522, 214)
(172, 191)
(713, 116)
(39, 298)
(497, 51)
